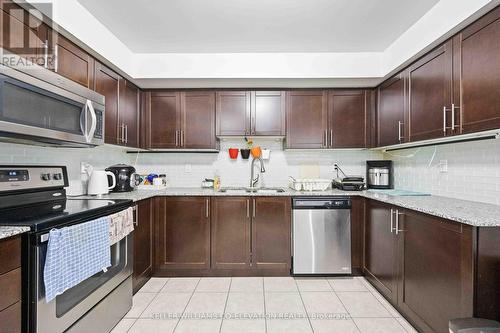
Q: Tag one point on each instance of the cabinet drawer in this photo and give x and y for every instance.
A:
(10, 319)
(10, 254)
(10, 288)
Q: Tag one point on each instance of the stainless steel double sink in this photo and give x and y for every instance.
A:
(243, 190)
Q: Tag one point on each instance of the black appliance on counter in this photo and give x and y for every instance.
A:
(347, 183)
(34, 196)
(379, 174)
(126, 178)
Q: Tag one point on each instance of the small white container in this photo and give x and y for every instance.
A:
(266, 153)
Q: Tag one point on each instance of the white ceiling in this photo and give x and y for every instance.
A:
(236, 26)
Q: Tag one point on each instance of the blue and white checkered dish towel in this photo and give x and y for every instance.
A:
(74, 254)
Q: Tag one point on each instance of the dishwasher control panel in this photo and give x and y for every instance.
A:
(321, 203)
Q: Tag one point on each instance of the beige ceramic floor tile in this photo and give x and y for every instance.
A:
(153, 326)
(379, 325)
(123, 326)
(334, 326)
(199, 326)
(312, 284)
(167, 305)
(206, 303)
(239, 304)
(180, 285)
(279, 284)
(140, 301)
(243, 326)
(213, 285)
(284, 303)
(347, 284)
(288, 326)
(154, 285)
(362, 304)
(247, 284)
(324, 302)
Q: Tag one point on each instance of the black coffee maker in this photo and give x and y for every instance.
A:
(126, 178)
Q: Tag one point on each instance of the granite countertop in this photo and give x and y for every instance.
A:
(6, 232)
(463, 211)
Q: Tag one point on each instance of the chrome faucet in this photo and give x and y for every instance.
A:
(254, 181)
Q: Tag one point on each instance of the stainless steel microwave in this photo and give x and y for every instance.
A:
(40, 107)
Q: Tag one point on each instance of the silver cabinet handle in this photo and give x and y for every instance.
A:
(331, 138)
(126, 134)
(136, 219)
(176, 138)
(397, 222)
(56, 58)
(444, 120)
(392, 220)
(325, 139)
(453, 116)
(46, 53)
(248, 208)
(182, 138)
(122, 134)
(254, 209)
(400, 131)
(207, 212)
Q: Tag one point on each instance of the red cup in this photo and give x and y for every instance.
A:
(233, 153)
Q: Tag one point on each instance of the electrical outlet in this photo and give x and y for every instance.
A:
(187, 168)
(443, 166)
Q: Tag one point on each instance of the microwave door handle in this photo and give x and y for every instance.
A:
(93, 126)
(84, 121)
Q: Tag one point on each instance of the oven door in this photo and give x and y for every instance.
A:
(66, 309)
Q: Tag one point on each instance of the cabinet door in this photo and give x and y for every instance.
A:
(381, 249)
(270, 232)
(233, 113)
(391, 111)
(198, 120)
(480, 73)
(436, 282)
(20, 32)
(107, 83)
(306, 119)
(357, 234)
(231, 232)
(183, 237)
(347, 119)
(129, 113)
(268, 113)
(164, 119)
(430, 92)
(143, 244)
(72, 62)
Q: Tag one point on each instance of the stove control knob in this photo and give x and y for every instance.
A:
(45, 176)
(57, 176)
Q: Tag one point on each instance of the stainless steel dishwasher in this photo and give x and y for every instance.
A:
(321, 235)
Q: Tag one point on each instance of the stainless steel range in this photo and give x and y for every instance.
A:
(34, 196)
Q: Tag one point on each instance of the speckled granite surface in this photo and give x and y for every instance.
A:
(468, 212)
(6, 232)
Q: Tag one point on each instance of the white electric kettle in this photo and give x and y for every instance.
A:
(98, 182)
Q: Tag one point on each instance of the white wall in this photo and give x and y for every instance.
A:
(473, 170)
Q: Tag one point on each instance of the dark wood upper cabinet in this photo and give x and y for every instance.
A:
(72, 62)
(271, 230)
(128, 119)
(182, 120)
(198, 120)
(231, 232)
(182, 234)
(436, 282)
(233, 113)
(347, 119)
(267, 113)
(380, 266)
(392, 111)
(306, 119)
(107, 83)
(478, 52)
(164, 119)
(430, 93)
(143, 244)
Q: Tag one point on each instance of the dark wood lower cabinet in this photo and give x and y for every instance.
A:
(380, 265)
(357, 234)
(182, 234)
(431, 269)
(271, 230)
(436, 270)
(143, 244)
(231, 232)
(10, 285)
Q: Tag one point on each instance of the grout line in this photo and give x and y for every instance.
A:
(304, 305)
(140, 314)
(225, 304)
(345, 307)
(190, 297)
